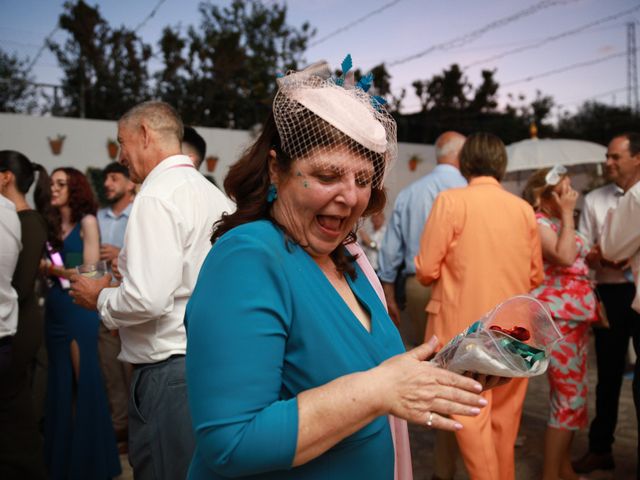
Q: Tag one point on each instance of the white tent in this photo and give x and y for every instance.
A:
(534, 153)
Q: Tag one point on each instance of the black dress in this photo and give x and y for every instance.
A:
(20, 441)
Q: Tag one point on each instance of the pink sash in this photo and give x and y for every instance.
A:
(399, 429)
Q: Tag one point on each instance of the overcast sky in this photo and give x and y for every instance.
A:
(415, 38)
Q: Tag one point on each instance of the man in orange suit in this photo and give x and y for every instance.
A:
(479, 247)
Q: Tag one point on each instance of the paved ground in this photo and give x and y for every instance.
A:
(529, 455)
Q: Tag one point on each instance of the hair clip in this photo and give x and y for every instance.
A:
(553, 176)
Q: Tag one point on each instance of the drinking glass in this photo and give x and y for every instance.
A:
(93, 270)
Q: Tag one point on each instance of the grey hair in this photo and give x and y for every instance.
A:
(159, 116)
(450, 146)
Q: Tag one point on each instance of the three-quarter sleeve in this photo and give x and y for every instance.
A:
(237, 323)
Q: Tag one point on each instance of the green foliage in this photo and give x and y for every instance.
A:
(105, 68)
(382, 88)
(541, 107)
(598, 122)
(425, 126)
(96, 180)
(223, 73)
(450, 102)
(485, 96)
(443, 92)
(17, 93)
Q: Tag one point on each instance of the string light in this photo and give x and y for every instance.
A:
(573, 66)
(354, 23)
(148, 17)
(44, 45)
(471, 36)
(552, 38)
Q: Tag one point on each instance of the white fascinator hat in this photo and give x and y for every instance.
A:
(340, 105)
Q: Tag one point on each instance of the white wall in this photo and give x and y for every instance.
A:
(85, 146)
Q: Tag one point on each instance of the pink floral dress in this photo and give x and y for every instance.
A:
(568, 293)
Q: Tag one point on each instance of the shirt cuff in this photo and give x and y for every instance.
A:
(385, 275)
(103, 310)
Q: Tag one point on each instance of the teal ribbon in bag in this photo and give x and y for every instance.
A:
(529, 354)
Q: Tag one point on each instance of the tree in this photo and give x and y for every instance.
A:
(381, 80)
(485, 96)
(172, 86)
(17, 92)
(224, 73)
(450, 102)
(445, 91)
(598, 122)
(541, 107)
(105, 69)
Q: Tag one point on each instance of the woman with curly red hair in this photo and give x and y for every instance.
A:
(79, 437)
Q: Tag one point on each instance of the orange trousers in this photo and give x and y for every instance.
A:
(487, 442)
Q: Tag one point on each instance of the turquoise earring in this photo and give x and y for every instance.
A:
(272, 193)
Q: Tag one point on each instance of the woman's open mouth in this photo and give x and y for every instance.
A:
(330, 224)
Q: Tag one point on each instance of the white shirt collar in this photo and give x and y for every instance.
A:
(166, 164)
(6, 203)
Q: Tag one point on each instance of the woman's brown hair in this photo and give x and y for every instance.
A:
(82, 201)
(247, 183)
(537, 188)
(483, 154)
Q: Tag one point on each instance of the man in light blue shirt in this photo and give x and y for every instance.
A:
(112, 220)
(120, 191)
(402, 239)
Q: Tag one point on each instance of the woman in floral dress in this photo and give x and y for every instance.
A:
(567, 291)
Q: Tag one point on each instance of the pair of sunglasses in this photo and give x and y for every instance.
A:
(553, 176)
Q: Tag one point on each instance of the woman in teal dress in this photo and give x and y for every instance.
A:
(293, 365)
(79, 438)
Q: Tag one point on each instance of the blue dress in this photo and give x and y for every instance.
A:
(264, 324)
(79, 438)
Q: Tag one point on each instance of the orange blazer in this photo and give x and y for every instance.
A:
(480, 246)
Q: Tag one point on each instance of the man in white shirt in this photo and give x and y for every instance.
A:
(112, 220)
(613, 219)
(10, 246)
(166, 241)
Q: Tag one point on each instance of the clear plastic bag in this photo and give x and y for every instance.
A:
(512, 340)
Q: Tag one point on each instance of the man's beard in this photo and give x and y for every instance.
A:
(116, 197)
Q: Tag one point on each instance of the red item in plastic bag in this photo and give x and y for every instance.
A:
(519, 333)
